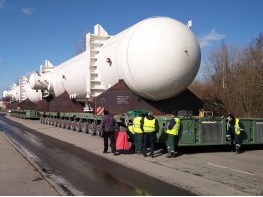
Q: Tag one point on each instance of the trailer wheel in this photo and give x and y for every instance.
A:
(47, 121)
(52, 120)
(63, 122)
(78, 126)
(41, 119)
(84, 127)
(58, 123)
(67, 124)
(55, 122)
(92, 129)
(98, 131)
(72, 125)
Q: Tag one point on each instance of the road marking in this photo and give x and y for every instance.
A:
(219, 166)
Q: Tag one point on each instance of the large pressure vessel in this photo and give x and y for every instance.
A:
(157, 58)
(33, 95)
(70, 76)
(13, 93)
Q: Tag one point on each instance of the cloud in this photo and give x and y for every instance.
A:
(28, 11)
(2, 4)
(210, 37)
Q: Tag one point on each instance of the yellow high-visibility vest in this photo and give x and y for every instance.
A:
(237, 128)
(149, 125)
(130, 128)
(176, 127)
(137, 125)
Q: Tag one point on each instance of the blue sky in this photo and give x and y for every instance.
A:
(32, 31)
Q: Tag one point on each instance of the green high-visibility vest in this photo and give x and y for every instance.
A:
(149, 125)
(137, 125)
(176, 127)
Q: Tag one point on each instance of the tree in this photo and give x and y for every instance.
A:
(235, 80)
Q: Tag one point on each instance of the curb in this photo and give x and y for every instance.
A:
(44, 175)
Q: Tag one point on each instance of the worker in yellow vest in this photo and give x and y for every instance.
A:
(172, 131)
(138, 138)
(150, 127)
(201, 113)
(233, 132)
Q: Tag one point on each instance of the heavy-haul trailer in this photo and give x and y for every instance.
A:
(194, 131)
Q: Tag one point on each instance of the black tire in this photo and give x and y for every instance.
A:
(72, 125)
(67, 124)
(98, 131)
(92, 129)
(78, 126)
(84, 127)
(63, 124)
(56, 122)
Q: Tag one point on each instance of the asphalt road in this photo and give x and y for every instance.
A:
(80, 172)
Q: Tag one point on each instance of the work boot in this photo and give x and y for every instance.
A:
(169, 155)
(144, 154)
(152, 155)
(228, 139)
(237, 150)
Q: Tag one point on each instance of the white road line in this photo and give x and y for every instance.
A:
(219, 166)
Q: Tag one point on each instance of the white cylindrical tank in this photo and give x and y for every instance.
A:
(69, 76)
(157, 58)
(33, 95)
(13, 93)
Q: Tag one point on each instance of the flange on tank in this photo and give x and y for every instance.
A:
(157, 58)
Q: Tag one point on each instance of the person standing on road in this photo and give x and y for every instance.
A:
(172, 135)
(108, 125)
(138, 134)
(150, 127)
(233, 132)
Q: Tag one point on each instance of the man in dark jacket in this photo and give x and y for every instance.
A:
(149, 126)
(108, 126)
(233, 132)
